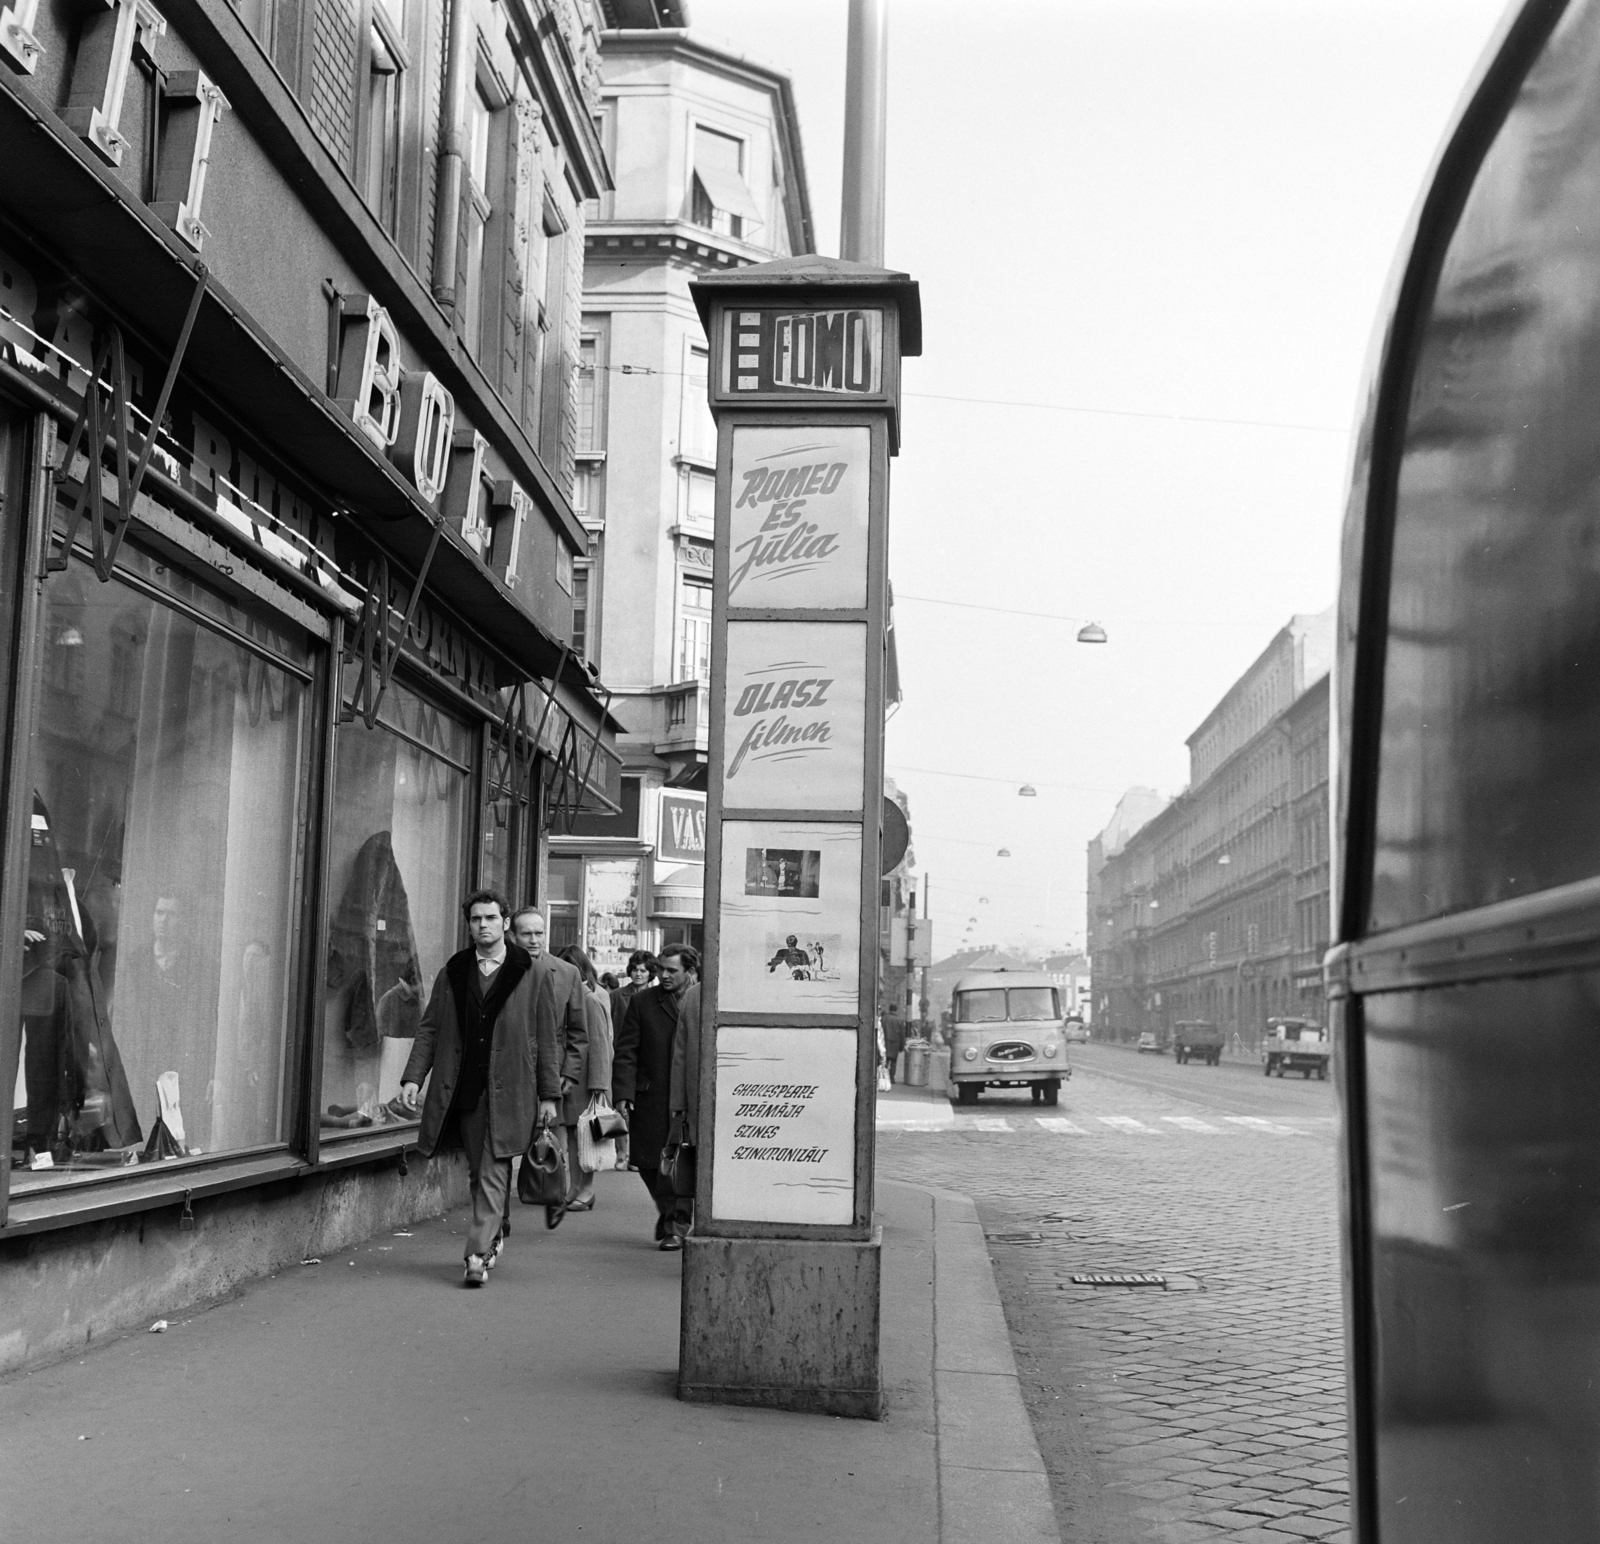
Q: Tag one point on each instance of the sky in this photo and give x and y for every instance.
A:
(1152, 239)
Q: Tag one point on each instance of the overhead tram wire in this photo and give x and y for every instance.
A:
(1048, 407)
(981, 777)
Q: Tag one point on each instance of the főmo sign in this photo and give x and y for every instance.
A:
(788, 353)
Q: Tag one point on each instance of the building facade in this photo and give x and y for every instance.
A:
(709, 175)
(1208, 910)
(290, 317)
(1118, 911)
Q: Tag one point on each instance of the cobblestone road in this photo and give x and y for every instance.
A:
(1213, 1409)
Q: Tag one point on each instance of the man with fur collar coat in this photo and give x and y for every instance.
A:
(491, 1040)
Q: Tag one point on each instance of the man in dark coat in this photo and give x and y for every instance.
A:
(496, 1064)
(641, 1083)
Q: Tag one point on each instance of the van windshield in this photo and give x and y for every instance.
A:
(985, 1007)
(1029, 1005)
(1032, 1003)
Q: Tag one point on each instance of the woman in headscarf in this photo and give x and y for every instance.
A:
(594, 1075)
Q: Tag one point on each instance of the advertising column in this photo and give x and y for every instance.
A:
(780, 1295)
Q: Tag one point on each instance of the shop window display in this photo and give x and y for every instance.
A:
(168, 780)
(400, 829)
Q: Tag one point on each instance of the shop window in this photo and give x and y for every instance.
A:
(694, 630)
(566, 901)
(398, 871)
(168, 782)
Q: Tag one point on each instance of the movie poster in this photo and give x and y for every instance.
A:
(794, 715)
(799, 516)
(786, 1121)
(791, 918)
(611, 912)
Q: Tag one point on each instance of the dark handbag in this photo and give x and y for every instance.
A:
(677, 1163)
(607, 1122)
(542, 1178)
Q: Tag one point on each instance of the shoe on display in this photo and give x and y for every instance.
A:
(477, 1273)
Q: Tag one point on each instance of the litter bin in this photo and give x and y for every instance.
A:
(917, 1063)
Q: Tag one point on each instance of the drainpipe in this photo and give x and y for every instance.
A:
(452, 117)
(866, 127)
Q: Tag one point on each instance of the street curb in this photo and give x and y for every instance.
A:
(992, 1482)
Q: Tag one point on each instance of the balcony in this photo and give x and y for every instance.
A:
(683, 719)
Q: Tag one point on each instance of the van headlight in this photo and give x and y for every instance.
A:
(1051, 1048)
(971, 1053)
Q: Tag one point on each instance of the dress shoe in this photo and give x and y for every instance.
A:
(554, 1214)
(671, 1244)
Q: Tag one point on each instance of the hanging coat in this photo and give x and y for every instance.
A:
(372, 951)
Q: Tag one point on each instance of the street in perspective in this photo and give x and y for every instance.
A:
(809, 772)
(1165, 1242)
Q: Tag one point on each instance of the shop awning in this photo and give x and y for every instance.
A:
(146, 277)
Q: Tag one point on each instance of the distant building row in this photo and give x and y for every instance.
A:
(1215, 905)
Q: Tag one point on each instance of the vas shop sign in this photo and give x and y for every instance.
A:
(681, 836)
(794, 716)
(799, 518)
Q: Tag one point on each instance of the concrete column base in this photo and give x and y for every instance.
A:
(791, 1324)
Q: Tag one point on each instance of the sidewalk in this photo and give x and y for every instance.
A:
(371, 1397)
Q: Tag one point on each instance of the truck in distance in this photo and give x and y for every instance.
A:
(1197, 1040)
(1295, 1045)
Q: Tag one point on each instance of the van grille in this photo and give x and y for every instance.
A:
(1009, 1051)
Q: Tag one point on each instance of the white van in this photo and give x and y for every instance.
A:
(1007, 1031)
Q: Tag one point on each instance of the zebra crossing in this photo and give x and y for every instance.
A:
(929, 1118)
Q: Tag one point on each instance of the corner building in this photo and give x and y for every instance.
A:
(290, 305)
(709, 176)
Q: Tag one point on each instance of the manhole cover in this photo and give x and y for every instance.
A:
(1119, 1279)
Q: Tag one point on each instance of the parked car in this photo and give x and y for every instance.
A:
(1075, 1031)
(1006, 1032)
(1197, 1040)
(1148, 1041)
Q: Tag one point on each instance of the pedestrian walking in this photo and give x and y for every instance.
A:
(642, 968)
(594, 1072)
(565, 986)
(495, 1065)
(684, 1084)
(894, 1039)
(641, 1083)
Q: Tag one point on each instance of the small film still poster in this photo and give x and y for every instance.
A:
(788, 871)
(790, 909)
(804, 956)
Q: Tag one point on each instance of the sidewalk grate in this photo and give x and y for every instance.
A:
(1118, 1279)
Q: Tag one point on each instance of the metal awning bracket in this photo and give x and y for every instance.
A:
(89, 433)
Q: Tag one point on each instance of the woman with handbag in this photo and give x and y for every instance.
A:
(594, 1078)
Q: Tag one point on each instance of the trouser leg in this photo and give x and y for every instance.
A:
(675, 1213)
(582, 1182)
(491, 1180)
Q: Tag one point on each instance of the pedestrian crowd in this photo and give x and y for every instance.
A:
(529, 1056)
